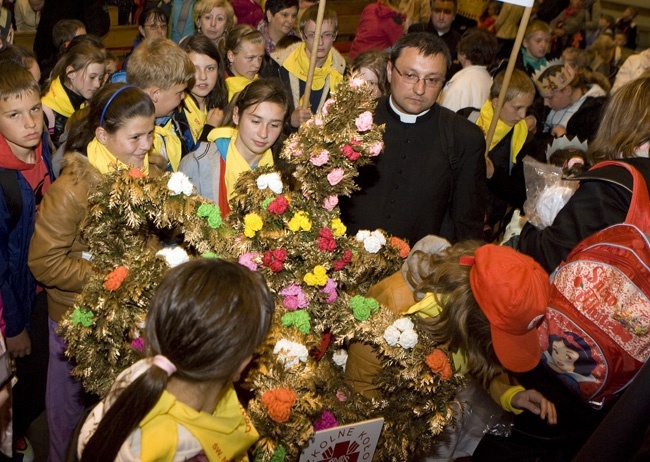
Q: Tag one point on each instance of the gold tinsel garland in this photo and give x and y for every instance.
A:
(318, 273)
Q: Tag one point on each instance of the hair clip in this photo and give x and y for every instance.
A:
(110, 100)
(467, 260)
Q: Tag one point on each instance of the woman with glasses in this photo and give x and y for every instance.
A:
(152, 23)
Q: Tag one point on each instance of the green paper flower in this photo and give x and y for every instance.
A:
(363, 307)
(298, 319)
(210, 255)
(279, 455)
(266, 202)
(212, 213)
(85, 318)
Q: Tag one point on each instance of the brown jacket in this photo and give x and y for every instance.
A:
(56, 252)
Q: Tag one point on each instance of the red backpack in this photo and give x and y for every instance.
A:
(596, 331)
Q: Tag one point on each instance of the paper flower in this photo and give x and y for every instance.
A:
(212, 213)
(391, 335)
(248, 260)
(340, 358)
(330, 202)
(317, 121)
(300, 221)
(137, 344)
(326, 105)
(279, 455)
(342, 395)
(357, 82)
(115, 278)
(316, 278)
(401, 245)
(278, 205)
(320, 159)
(271, 181)
(404, 324)
(174, 256)
(327, 420)
(85, 318)
(330, 290)
(364, 121)
(438, 362)
(298, 319)
(290, 353)
(179, 183)
(408, 339)
(346, 258)
(279, 403)
(294, 297)
(363, 307)
(335, 176)
(376, 148)
(274, 259)
(338, 228)
(326, 240)
(136, 173)
(252, 223)
(372, 241)
(350, 153)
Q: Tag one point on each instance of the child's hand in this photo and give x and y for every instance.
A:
(20, 345)
(215, 117)
(534, 401)
(558, 131)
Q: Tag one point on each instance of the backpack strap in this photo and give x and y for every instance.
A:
(639, 212)
(12, 196)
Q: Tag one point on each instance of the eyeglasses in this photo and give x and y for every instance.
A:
(325, 36)
(161, 26)
(413, 79)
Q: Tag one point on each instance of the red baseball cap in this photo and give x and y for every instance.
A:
(512, 290)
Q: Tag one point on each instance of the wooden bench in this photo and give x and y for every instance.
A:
(348, 13)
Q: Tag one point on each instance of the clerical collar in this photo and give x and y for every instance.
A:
(406, 118)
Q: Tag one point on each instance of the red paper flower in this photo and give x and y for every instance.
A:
(438, 362)
(402, 246)
(326, 240)
(350, 153)
(115, 278)
(346, 258)
(278, 205)
(279, 403)
(274, 259)
(136, 173)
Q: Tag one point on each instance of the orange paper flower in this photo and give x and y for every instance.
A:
(439, 364)
(136, 173)
(402, 246)
(279, 403)
(115, 278)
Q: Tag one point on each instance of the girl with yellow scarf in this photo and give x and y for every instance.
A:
(75, 79)
(205, 100)
(244, 48)
(179, 402)
(250, 139)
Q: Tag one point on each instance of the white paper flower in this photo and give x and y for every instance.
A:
(408, 339)
(290, 353)
(372, 244)
(404, 324)
(174, 256)
(391, 335)
(373, 241)
(379, 236)
(180, 183)
(362, 235)
(340, 358)
(271, 181)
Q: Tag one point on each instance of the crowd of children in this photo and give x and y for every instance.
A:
(211, 88)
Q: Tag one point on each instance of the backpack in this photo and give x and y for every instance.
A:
(595, 336)
(12, 196)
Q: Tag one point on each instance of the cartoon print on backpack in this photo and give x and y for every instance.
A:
(570, 357)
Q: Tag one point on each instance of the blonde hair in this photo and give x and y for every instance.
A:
(520, 84)
(159, 63)
(537, 25)
(203, 7)
(461, 325)
(238, 35)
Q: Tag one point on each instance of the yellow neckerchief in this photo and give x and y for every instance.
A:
(195, 116)
(102, 159)
(223, 435)
(518, 136)
(297, 63)
(235, 84)
(235, 163)
(57, 99)
(167, 143)
(428, 308)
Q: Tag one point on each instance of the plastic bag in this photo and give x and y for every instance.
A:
(546, 191)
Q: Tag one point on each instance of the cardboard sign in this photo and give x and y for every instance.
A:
(348, 443)
(519, 2)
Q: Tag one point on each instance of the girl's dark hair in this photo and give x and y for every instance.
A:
(461, 325)
(79, 57)
(152, 13)
(17, 54)
(202, 45)
(207, 317)
(129, 103)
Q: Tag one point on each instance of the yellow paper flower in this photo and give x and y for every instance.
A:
(252, 223)
(338, 228)
(317, 278)
(300, 220)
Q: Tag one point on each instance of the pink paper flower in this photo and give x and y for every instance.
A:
(330, 290)
(335, 176)
(318, 121)
(326, 105)
(364, 121)
(376, 148)
(137, 344)
(248, 260)
(357, 82)
(350, 153)
(294, 297)
(321, 158)
(330, 202)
